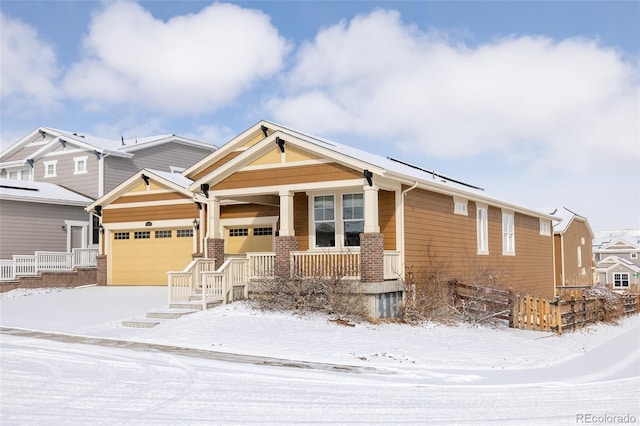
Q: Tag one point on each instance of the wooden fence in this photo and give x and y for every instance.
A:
(536, 313)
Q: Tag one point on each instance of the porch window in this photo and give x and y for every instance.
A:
(620, 280)
(353, 218)
(324, 220)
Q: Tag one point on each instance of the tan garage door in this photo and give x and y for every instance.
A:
(245, 239)
(143, 256)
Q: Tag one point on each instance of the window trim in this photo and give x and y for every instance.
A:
(579, 254)
(621, 280)
(482, 228)
(545, 227)
(338, 217)
(633, 256)
(76, 162)
(53, 163)
(460, 206)
(343, 221)
(508, 233)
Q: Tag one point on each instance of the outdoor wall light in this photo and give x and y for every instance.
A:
(101, 229)
(196, 224)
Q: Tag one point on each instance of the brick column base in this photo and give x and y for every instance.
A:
(101, 273)
(371, 257)
(215, 250)
(284, 247)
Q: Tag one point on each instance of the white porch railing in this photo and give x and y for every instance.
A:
(261, 264)
(392, 267)
(31, 265)
(183, 284)
(325, 264)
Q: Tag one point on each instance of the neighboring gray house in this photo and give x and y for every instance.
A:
(88, 166)
(617, 256)
(42, 215)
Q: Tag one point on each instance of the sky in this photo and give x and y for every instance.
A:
(537, 102)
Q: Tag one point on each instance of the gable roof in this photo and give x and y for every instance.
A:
(613, 261)
(101, 146)
(567, 217)
(174, 181)
(40, 192)
(353, 157)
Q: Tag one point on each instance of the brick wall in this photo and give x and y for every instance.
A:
(82, 276)
(101, 278)
(371, 257)
(284, 247)
(215, 250)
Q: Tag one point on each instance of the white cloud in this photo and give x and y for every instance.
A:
(28, 67)
(559, 104)
(188, 64)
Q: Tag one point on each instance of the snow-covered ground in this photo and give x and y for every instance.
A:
(392, 373)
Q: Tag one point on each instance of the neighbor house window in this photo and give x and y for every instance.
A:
(460, 206)
(482, 220)
(633, 255)
(80, 165)
(22, 174)
(579, 257)
(50, 168)
(352, 218)
(508, 234)
(324, 222)
(621, 280)
(545, 227)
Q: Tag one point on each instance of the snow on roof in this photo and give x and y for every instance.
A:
(604, 238)
(176, 178)
(42, 192)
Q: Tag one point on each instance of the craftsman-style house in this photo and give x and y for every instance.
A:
(275, 201)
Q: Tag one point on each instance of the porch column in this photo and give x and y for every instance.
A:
(101, 278)
(284, 246)
(371, 257)
(371, 209)
(215, 242)
(286, 214)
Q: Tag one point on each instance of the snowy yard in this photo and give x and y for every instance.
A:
(392, 373)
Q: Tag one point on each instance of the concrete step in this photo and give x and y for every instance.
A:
(193, 305)
(170, 313)
(141, 323)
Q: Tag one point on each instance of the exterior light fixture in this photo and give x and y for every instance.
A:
(196, 224)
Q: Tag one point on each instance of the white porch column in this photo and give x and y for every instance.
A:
(371, 208)
(286, 214)
(213, 222)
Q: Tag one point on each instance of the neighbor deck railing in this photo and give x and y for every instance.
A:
(30, 265)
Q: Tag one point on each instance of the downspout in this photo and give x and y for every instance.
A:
(402, 223)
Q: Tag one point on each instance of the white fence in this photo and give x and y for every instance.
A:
(31, 265)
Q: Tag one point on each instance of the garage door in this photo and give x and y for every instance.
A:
(143, 257)
(239, 239)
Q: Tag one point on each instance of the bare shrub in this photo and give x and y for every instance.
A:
(331, 295)
(611, 308)
(427, 297)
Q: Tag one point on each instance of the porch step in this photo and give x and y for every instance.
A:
(194, 305)
(170, 313)
(141, 323)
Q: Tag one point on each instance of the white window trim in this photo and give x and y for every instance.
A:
(338, 219)
(509, 234)
(53, 163)
(460, 206)
(545, 227)
(19, 170)
(633, 255)
(76, 161)
(579, 253)
(482, 228)
(620, 279)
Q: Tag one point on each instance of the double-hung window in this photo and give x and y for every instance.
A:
(324, 221)
(508, 233)
(50, 168)
(620, 280)
(482, 219)
(352, 218)
(80, 165)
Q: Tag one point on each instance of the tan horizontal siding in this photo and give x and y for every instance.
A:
(387, 218)
(151, 213)
(287, 175)
(143, 198)
(301, 219)
(248, 211)
(439, 241)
